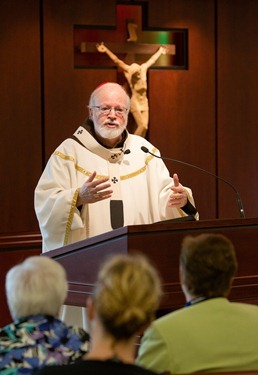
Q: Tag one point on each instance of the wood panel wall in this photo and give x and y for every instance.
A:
(237, 110)
(205, 115)
(182, 103)
(20, 113)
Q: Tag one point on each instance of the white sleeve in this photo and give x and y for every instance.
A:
(55, 202)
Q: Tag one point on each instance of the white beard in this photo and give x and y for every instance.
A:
(105, 132)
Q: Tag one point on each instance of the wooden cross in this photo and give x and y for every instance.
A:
(131, 40)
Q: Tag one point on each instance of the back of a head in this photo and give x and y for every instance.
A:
(37, 286)
(127, 295)
(208, 264)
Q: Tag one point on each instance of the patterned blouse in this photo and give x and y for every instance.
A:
(39, 341)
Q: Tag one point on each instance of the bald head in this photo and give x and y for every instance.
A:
(113, 90)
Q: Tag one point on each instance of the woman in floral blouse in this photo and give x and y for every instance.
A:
(36, 290)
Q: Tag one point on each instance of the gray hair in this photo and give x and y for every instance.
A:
(36, 286)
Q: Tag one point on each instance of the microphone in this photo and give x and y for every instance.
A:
(239, 201)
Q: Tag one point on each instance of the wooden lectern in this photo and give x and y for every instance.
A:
(161, 243)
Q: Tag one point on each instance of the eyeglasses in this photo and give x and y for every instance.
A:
(105, 110)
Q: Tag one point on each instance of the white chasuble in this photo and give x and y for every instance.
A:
(139, 181)
(141, 189)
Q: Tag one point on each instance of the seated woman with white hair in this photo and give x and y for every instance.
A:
(36, 289)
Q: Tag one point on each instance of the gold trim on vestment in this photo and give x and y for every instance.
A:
(70, 217)
(181, 212)
(122, 178)
(87, 173)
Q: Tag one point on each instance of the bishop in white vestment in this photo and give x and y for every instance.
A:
(70, 203)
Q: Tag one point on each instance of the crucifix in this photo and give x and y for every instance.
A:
(131, 47)
(136, 76)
